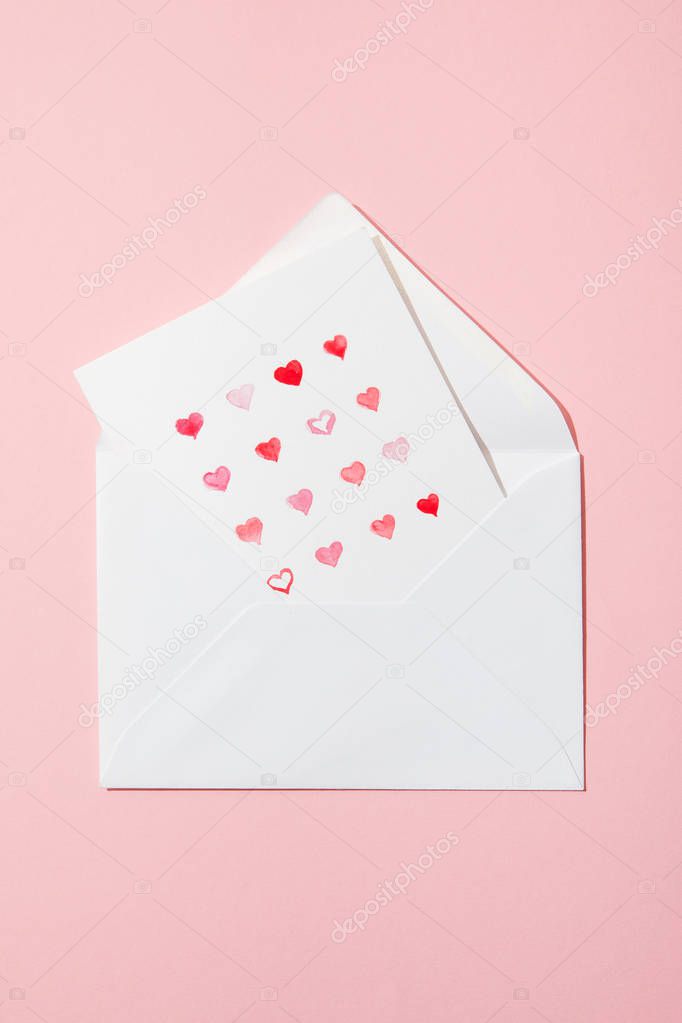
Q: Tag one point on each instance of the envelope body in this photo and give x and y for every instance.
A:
(448, 655)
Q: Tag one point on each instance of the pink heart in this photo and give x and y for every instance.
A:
(353, 473)
(369, 398)
(384, 527)
(301, 501)
(397, 449)
(329, 555)
(219, 479)
(241, 397)
(250, 531)
(323, 424)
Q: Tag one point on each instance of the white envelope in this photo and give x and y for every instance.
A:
(456, 665)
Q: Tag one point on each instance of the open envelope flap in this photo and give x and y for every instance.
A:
(519, 421)
(470, 683)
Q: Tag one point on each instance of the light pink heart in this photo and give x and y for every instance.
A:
(330, 555)
(397, 449)
(324, 422)
(301, 501)
(219, 479)
(241, 397)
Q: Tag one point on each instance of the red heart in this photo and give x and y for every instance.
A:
(330, 555)
(429, 505)
(251, 531)
(353, 473)
(219, 479)
(369, 398)
(384, 527)
(190, 427)
(337, 346)
(292, 373)
(269, 449)
(285, 574)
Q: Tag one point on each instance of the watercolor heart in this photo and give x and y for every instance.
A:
(397, 449)
(369, 398)
(429, 505)
(250, 531)
(190, 427)
(330, 555)
(219, 479)
(384, 527)
(353, 473)
(285, 580)
(269, 449)
(291, 374)
(301, 501)
(241, 397)
(323, 424)
(337, 346)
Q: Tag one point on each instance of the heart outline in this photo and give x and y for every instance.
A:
(330, 420)
(279, 576)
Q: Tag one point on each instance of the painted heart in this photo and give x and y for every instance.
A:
(269, 449)
(241, 397)
(353, 473)
(301, 501)
(285, 580)
(337, 346)
(429, 505)
(292, 373)
(330, 555)
(190, 427)
(219, 479)
(250, 531)
(324, 422)
(397, 449)
(384, 527)
(369, 398)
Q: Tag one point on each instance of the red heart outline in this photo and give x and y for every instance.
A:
(279, 577)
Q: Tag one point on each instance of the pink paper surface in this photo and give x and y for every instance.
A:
(511, 149)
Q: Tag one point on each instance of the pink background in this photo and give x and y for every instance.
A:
(556, 907)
